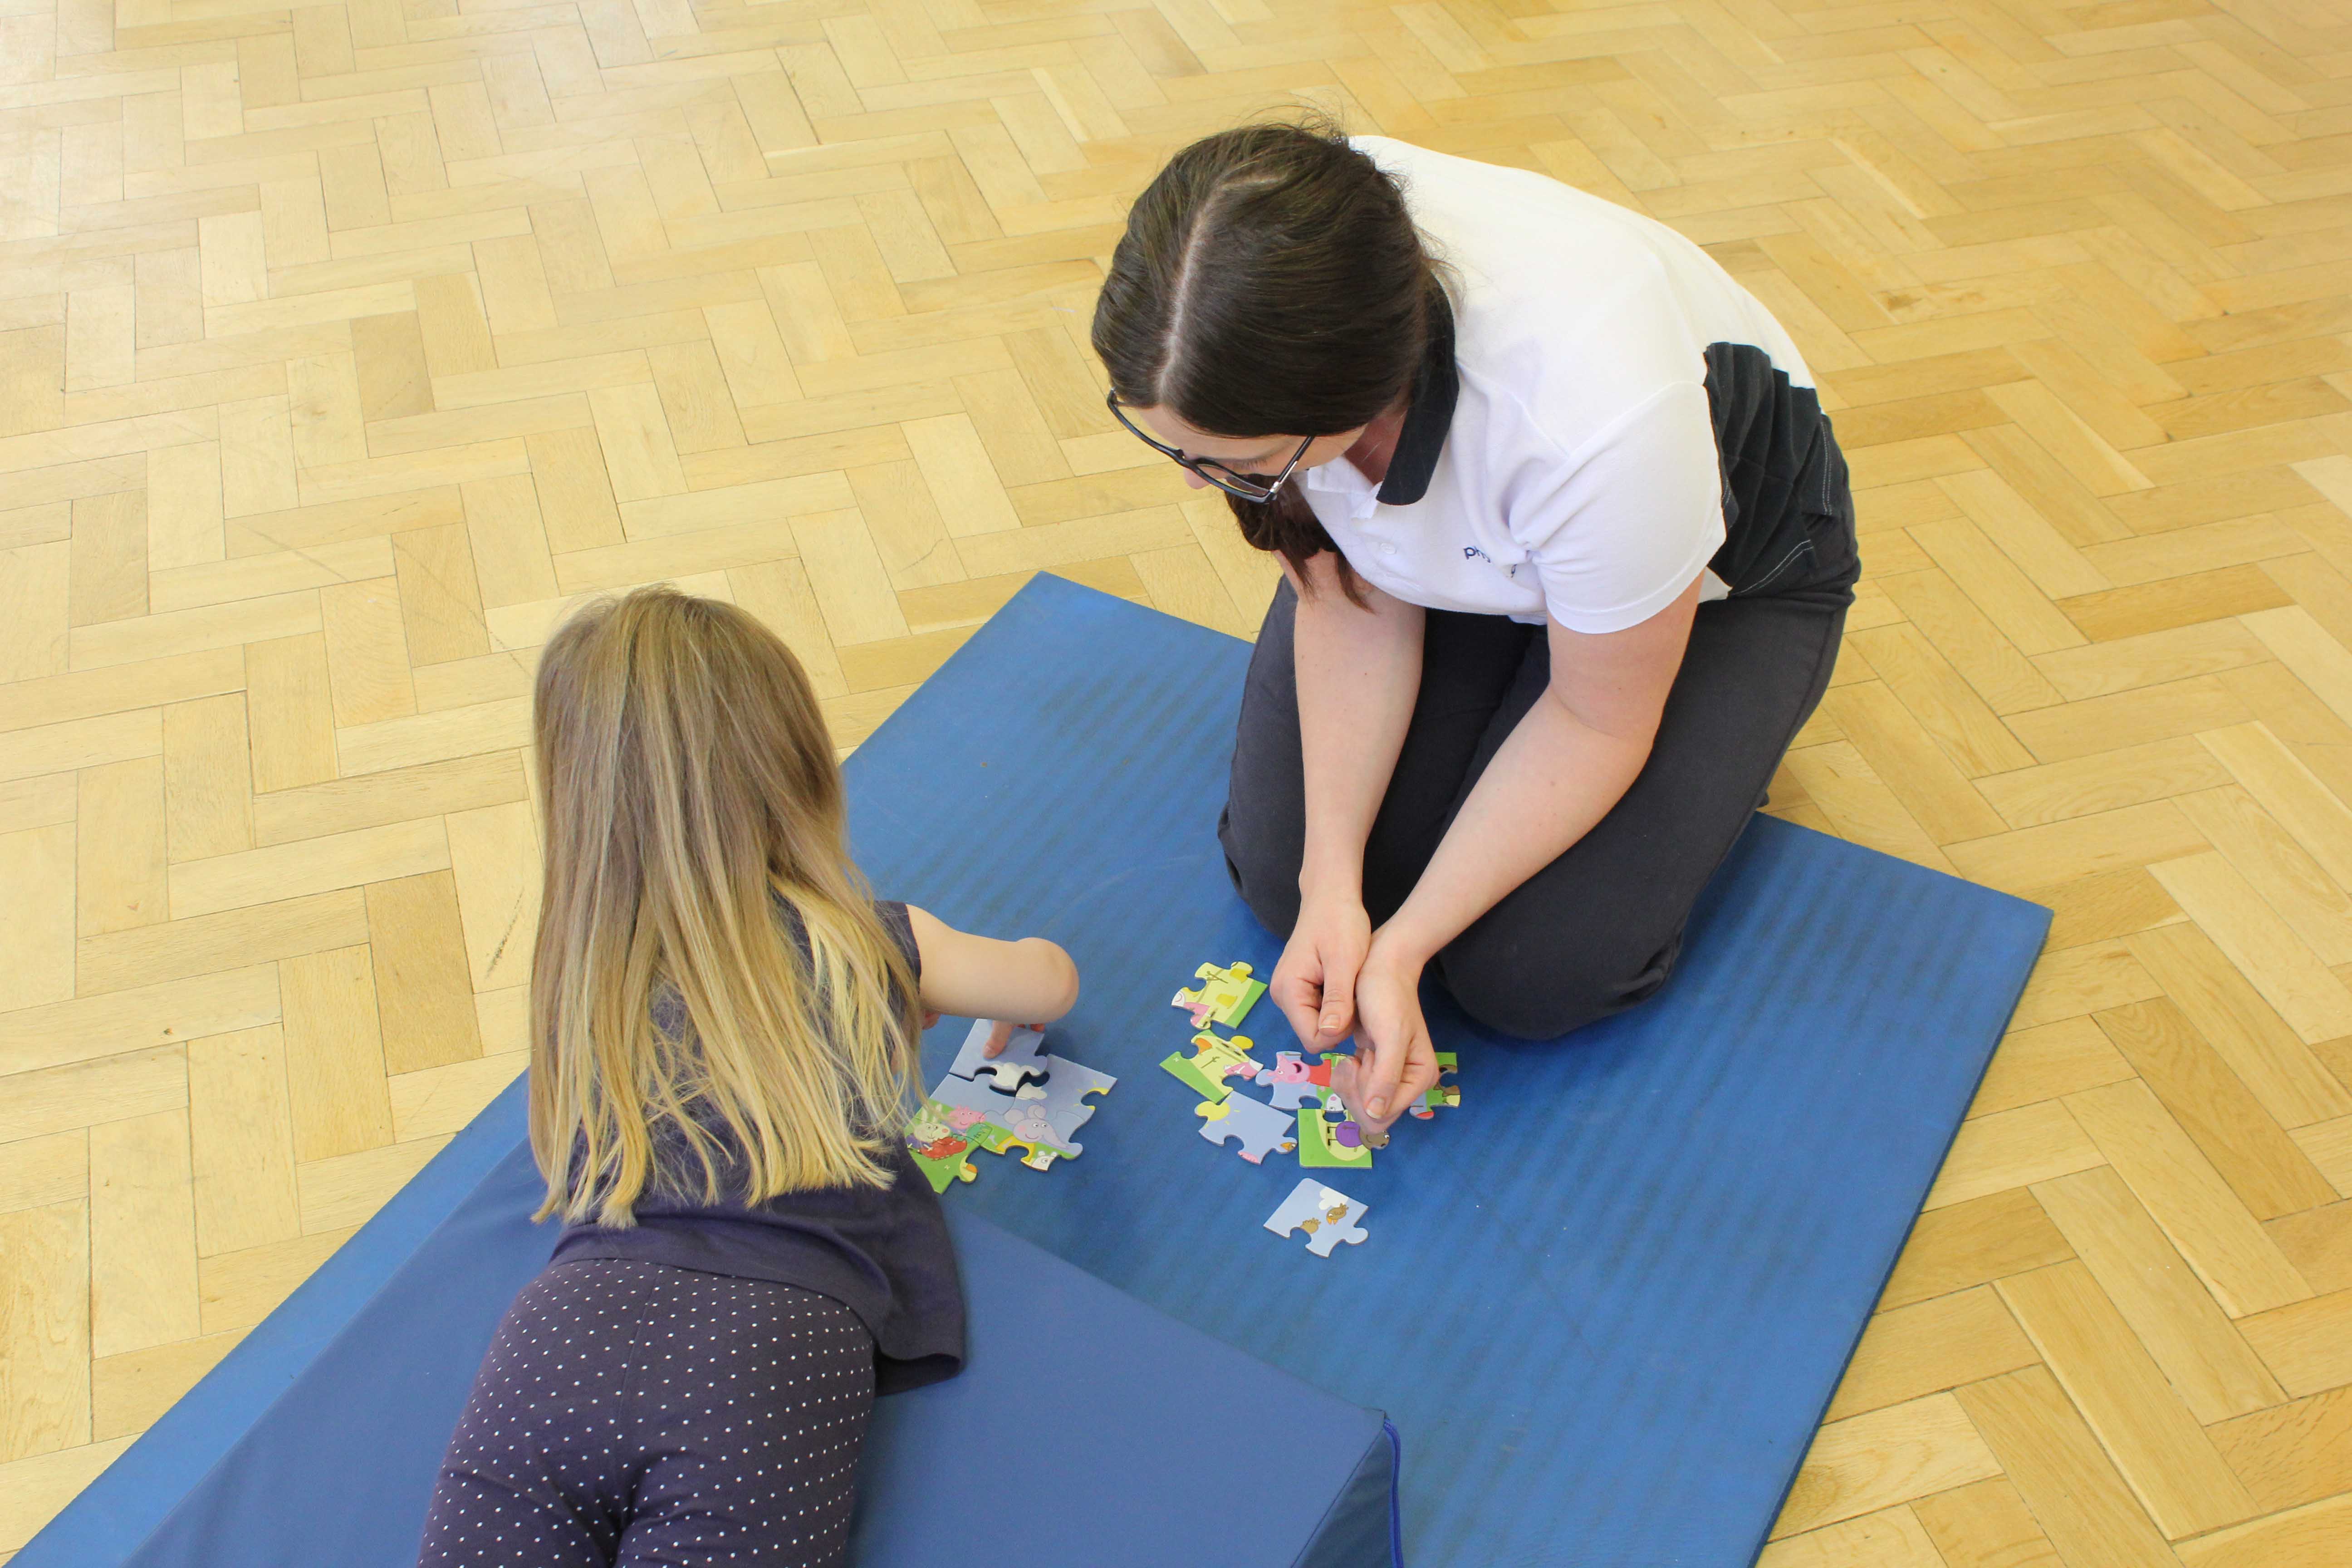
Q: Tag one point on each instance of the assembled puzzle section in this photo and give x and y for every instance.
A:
(1020, 1061)
(1040, 1118)
(1328, 1216)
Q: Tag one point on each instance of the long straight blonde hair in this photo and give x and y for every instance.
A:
(686, 782)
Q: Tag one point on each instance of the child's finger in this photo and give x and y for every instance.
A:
(1000, 1035)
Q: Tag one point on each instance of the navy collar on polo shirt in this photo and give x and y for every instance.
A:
(1427, 417)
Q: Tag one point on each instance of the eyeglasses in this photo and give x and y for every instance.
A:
(1249, 487)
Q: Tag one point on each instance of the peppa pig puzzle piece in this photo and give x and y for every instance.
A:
(1327, 1145)
(941, 1135)
(1327, 1217)
(1294, 1081)
(1022, 1057)
(999, 1122)
(1259, 1127)
(1224, 995)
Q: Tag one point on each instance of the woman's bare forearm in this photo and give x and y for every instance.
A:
(1551, 780)
(1561, 768)
(1359, 672)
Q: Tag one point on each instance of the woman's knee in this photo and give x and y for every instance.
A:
(1518, 989)
(1263, 863)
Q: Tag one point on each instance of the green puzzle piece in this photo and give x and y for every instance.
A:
(1316, 1149)
(1193, 1078)
(1443, 1095)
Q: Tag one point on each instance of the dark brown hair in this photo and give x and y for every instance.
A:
(1270, 282)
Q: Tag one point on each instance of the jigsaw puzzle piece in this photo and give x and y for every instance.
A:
(1260, 1129)
(937, 1149)
(1182, 1069)
(1022, 1059)
(1293, 1081)
(1063, 1098)
(1442, 1094)
(1224, 995)
(1327, 1217)
(1034, 1130)
(1325, 1144)
(1223, 1058)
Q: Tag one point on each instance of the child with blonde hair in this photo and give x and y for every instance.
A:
(724, 1028)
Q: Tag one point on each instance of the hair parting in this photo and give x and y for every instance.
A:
(1270, 282)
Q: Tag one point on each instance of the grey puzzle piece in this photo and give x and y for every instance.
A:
(1310, 1207)
(1020, 1061)
(1260, 1129)
(1066, 1085)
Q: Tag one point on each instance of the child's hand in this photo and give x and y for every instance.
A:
(1000, 1035)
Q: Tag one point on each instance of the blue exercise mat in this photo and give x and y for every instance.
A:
(1088, 1428)
(1608, 1298)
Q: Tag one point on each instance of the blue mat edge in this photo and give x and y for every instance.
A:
(131, 1498)
(1845, 1362)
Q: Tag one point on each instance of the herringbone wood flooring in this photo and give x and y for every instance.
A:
(340, 344)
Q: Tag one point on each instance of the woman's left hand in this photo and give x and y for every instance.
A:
(1394, 1065)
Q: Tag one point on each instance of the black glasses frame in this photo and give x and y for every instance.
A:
(1248, 486)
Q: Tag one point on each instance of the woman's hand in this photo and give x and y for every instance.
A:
(1314, 983)
(1394, 1065)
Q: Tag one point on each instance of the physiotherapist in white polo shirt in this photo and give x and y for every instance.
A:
(1567, 545)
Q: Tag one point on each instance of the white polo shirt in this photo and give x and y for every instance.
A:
(1579, 478)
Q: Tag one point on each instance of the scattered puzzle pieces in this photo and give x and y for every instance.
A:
(1022, 1059)
(1327, 1217)
(1260, 1129)
(1325, 1144)
(1224, 995)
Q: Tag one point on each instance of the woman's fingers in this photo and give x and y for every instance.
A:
(1376, 1082)
(1336, 1019)
(1302, 1003)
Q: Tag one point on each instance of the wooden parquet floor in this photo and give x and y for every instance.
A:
(341, 345)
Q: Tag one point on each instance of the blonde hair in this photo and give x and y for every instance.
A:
(686, 780)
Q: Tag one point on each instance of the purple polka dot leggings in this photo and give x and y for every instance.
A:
(636, 1413)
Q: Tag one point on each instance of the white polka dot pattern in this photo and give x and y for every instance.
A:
(636, 1413)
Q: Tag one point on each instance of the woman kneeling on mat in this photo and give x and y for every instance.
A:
(1567, 548)
(724, 1030)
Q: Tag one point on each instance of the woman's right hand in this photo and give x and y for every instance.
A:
(1314, 983)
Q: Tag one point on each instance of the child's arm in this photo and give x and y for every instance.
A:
(1031, 981)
